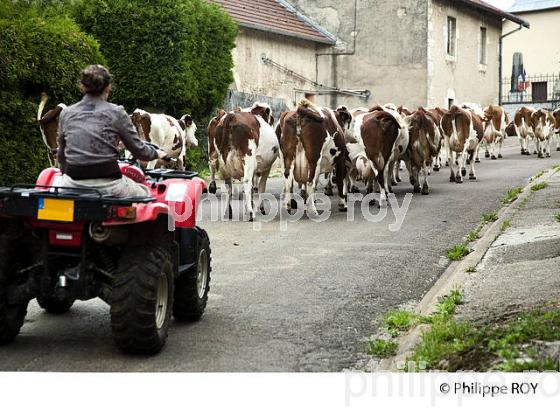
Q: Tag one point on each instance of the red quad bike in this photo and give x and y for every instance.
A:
(61, 245)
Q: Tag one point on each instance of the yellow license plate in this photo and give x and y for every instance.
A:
(56, 209)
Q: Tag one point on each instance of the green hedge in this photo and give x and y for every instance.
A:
(38, 53)
(172, 56)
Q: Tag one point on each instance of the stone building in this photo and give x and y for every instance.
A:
(275, 54)
(539, 45)
(536, 54)
(411, 52)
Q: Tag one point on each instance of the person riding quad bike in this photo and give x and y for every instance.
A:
(89, 133)
(99, 227)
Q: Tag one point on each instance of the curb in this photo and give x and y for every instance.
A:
(455, 276)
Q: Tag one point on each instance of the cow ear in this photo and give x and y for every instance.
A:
(187, 119)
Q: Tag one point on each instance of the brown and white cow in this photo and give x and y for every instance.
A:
(437, 114)
(171, 135)
(381, 136)
(477, 118)
(510, 130)
(360, 166)
(402, 139)
(461, 139)
(556, 120)
(212, 131)
(495, 119)
(424, 139)
(404, 111)
(543, 128)
(247, 148)
(524, 128)
(312, 143)
(48, 124)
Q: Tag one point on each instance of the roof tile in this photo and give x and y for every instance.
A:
(277, 17)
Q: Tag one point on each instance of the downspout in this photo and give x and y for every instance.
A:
(500, 93)
(334, 55)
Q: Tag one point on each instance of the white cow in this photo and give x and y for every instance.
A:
(171, 135)
(246, 147)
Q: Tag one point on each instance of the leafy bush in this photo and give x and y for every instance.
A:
(38, 53)
(171, 56)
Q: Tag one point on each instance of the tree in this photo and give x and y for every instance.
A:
(171, 56)
(39, 52)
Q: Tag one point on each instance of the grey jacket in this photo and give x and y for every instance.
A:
(88, 137)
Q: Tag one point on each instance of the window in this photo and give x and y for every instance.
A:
(482, 53)
(451, 35)
(540, 91)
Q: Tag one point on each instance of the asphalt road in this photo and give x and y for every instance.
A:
(302, 299)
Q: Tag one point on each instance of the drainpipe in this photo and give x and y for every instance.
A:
(500, 96)
(334, 55)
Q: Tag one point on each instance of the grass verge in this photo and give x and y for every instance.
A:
(536, 176)
(489, 217)
(509, 345)
(382, 348)
(539, 186)
(505, 225)
(402, 320)
(458, 252)
(474, 234)
(511, 196)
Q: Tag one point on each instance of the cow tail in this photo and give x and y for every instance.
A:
(44, 99)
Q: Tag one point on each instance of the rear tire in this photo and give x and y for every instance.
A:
(11, 316)
(191, 288)
(55, 306)
(141, 299)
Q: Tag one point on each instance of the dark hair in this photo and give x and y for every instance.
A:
(94, 79)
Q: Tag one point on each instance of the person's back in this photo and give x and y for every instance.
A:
(89, 134)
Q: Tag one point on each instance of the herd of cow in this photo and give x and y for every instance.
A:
(350, 147)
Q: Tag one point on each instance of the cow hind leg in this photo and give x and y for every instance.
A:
(229, 195)
(415, 179)
(212, 188)
(314, 173)
(329, 187)
(249, 170)
(450, 155)
(261, 189)
(397, 175)
(425, 185)
(341, 186)
(289, 202)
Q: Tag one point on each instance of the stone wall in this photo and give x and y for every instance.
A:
(462, 78)
(539, 44)
(251, 76)
(390, 54)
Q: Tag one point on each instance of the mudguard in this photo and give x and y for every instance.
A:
(177, 197)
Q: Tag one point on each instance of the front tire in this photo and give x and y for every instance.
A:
(141, 299)
(191, 288)
(55, 306)
(11, 316)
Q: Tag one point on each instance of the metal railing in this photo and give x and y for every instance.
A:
(542, 88)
